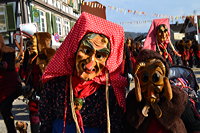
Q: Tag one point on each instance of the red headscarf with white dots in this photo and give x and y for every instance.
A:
(63, 62)
(150, 41)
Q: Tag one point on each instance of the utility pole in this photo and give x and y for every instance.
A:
(197, 24)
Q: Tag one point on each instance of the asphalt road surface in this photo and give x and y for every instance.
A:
(20, 112)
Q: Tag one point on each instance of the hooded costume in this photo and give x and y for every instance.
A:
(187, 54)
(150, 41)
(154, 106)
(56, 94)
(9, 84)
(164, 47)
(36, 56)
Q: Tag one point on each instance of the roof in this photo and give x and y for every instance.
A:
(176, 27)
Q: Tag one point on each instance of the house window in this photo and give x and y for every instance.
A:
(42, 24)
(2, 19)
(66, 27)
(58, 5)
(50, 2)
(7, 18)
(75, 5)
(67, 9)
(58, 22)
(53, 1)
(63, 8)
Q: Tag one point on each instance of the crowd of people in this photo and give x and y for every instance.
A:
(189, 50)
(83, 87)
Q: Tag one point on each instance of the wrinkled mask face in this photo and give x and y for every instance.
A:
(91, 56)
(151, 79)
(162, 33)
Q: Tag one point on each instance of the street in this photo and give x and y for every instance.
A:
(197, 73)
(20, 112)
(20, 108)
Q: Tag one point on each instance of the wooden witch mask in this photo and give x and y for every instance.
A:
(91, 56)
(151, 83)
(162, 34)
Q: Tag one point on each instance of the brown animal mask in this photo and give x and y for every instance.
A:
(151, 83)
(44, 57)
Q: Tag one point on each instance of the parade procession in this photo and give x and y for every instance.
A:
(83, 66)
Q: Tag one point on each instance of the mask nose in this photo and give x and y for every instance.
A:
(90, 65)
(151, 95)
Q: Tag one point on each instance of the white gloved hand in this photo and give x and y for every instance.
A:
(130, 76)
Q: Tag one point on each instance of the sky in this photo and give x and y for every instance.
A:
(137, 15)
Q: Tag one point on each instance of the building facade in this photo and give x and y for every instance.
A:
(94, 8)
(54, 16)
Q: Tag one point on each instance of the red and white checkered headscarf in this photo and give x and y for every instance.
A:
(63, 62)
(150, 41)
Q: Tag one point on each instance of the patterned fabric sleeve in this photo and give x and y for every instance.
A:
(116, 114)
(93, 111)
(46, 107)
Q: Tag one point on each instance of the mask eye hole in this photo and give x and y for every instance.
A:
(87, 51)
(155, 77)
(99, 56)
(145, 77)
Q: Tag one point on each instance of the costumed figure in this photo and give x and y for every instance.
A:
(154, 106)
(129, 43)
(158, 39)
(196, 50)
(191, 53)
(36, 57)
(133, 50)
(83, 90)
(127, 68)
(9, 84)
(187, 56)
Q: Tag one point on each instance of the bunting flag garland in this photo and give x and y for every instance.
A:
(135, 12)
(150, 21)
(136, 22)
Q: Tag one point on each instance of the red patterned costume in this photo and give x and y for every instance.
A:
(9, 84)
(37, 55)
(62, 67)
(158, 39)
